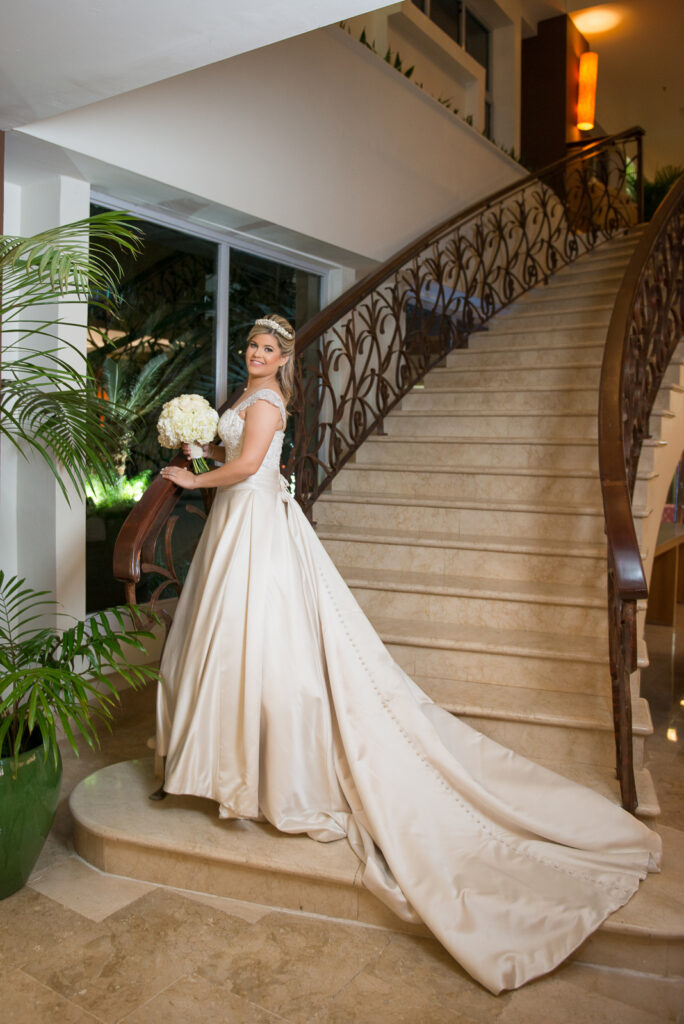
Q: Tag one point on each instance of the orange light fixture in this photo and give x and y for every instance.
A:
(586, 97)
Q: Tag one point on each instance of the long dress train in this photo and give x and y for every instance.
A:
(279, 700)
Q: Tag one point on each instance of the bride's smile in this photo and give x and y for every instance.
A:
(264, 357)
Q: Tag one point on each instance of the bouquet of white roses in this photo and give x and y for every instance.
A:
(188, 419)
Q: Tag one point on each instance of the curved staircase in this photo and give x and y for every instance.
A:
(472, 531)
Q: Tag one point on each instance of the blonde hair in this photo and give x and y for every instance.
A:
(285, 374)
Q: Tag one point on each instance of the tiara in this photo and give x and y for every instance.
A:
(276, 327)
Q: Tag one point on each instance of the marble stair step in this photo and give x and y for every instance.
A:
(533, 355)
(529, 659)
(480, 482)
(556, 291)
(182, 843)
(541, 724)
(505, 376)
(507, 452)
(597, 263)
(504, 558)
(482, 399)
(560, 424)
(567, 315)
(604, 781)
(511, 335)
(472, 600)
(575, 523)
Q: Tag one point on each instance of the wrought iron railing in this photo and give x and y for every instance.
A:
(357, 358)
(646, 326)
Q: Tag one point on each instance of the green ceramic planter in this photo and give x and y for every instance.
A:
(29, 793)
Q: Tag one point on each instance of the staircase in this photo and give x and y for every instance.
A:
(472, 531)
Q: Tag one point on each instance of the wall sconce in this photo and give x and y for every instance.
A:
(586, 98)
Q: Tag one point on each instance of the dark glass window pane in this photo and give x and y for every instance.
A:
(447, 14)
(258, 287)
(477, 42)
(488, 120)
(160, 343)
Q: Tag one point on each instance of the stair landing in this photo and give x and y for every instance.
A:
(181, 842)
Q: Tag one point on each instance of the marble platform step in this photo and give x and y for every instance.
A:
(181, 842)
(548, 520)
(536, 398)
(504, 557)
(474, 601)
(483, 482)
(528, 354)
(506, 376)
(509, 452)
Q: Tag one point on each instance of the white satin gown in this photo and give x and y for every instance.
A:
(278, 700)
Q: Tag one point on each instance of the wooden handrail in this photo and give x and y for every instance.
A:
(645, 327)
(613, 458)
(472, 269)
(329, 316)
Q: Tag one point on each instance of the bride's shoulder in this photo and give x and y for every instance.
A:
(266, 395)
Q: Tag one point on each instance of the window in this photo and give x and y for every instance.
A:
(188, 302)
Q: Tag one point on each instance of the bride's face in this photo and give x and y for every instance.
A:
(264, 357)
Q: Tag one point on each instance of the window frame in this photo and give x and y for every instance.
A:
(225, 239)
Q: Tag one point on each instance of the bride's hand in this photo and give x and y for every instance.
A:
(180, 477)
(206, 451)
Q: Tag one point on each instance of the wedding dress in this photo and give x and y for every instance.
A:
(279, 701)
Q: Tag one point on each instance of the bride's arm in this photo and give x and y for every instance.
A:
(261, 422)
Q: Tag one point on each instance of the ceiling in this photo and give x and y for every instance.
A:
(56, 57)
(640, 72)
(59, 56)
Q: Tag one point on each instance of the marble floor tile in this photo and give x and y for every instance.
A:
(138, 952)
(293, 965)
(25, 1001)
(250, 912)
(33, 927)
(193, 998)
(552, 1000)
(413, 981)
(662, 996)
(424, 966)
(76, 885)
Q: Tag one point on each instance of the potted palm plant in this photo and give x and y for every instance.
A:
(54, 678)
(51, 677)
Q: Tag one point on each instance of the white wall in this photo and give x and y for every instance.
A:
(314, 133)
(41, 536)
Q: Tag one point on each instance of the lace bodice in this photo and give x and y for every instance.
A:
(231, 428)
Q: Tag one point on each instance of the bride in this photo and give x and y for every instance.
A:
(279, 701)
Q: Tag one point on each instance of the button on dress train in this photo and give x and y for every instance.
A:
(279, 701)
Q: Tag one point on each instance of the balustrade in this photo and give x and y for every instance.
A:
(360, 355)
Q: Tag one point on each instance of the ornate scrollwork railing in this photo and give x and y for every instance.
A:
(360, 355)
(646, 326)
